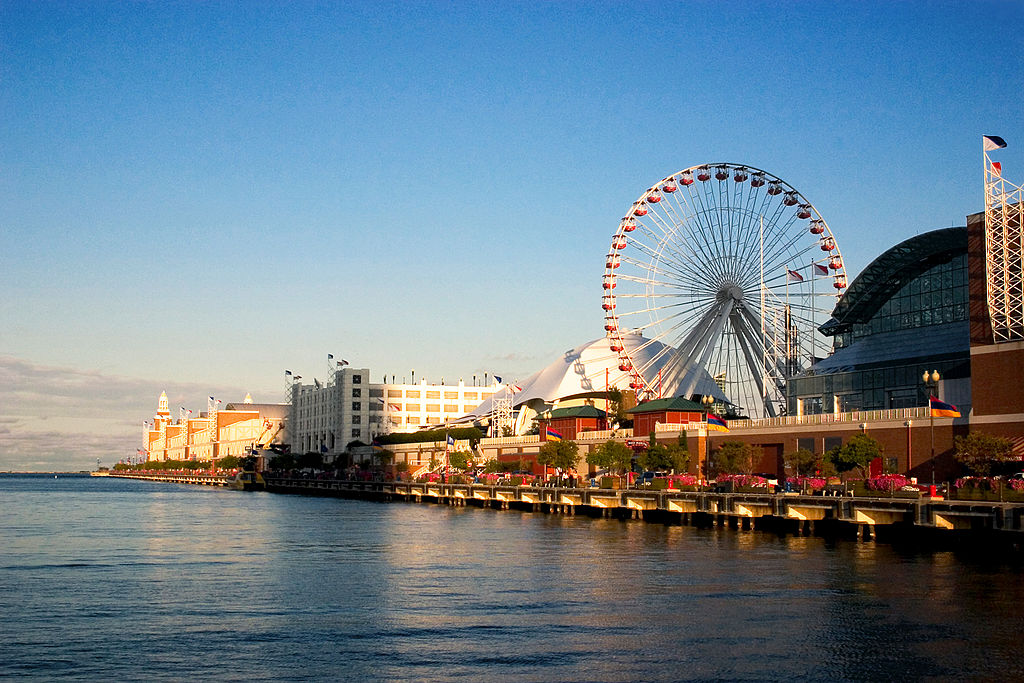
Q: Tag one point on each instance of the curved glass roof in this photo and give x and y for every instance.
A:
(889, 272)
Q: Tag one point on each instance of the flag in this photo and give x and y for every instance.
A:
(941, 409)
(316, 382)
(342, 362)
(395, 407)
(497, 379)
(323, 448)
(330, 356)
(716, 423)
(298, 377)
(288, 373)
(991, 142)
(515, 387)
(820, 269)
(381, 401)
(997, 168)
(376, 445)
(554, 435)
(794, 276)
(449, 443)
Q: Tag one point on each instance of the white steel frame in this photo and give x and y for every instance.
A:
(1004, 258)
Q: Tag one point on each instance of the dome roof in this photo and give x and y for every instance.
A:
(583, 370)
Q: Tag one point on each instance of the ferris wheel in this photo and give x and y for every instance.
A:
(726, 268)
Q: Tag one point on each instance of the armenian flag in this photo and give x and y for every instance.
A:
(941, 409)
(716, 423)
(554, 435)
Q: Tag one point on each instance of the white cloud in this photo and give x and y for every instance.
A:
(54, 418)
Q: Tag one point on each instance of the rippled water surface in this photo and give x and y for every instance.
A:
(125, 580)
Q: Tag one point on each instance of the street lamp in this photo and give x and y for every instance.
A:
(931, 380)
(707, 402)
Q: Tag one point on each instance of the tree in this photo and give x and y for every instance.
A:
(228, 462)
(283, 461)
(611, 455)
(383, 456)
(562, 454)
(802, 462)
(979, 451)
(459, 459)
(310, 460)
(733, 457)
(618, 403)
(857, 453)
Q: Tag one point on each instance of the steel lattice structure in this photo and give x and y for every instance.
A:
(734, 271)
(1004, 253)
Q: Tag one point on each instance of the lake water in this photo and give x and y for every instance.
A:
(103, 578)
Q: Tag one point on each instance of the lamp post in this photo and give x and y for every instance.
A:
(707, 402)
(931, 380)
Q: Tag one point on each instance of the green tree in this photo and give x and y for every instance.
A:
(733, 457)
(228, 462)
(383, 456)
(857, 453)
(310, 460)
(801, 462)
(459, 459)
(282, 461)
(563, 454)
(979, 451)
(611, 455)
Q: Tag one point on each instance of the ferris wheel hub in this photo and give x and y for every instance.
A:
(729, 291)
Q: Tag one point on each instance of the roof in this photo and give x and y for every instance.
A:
(889, 272)
(672, 405)
(935, 342)
(575, 411)
(585, 369)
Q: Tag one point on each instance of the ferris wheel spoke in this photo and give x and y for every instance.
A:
(663, 223)
(679, 267)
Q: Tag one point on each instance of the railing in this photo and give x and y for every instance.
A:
(888, 415)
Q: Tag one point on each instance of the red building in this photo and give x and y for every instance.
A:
(664, 411)
(569, 422)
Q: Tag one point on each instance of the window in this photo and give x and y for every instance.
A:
(433, 394)
(376, 393)
(433, 407)
(451, 394)
(472, 396)
(412, 407)
(833, 442)
(811, 405)
(412, 394)
(356, 393)
(356, 406)
(486, 395)
(394, 393)
(356, 431)
(357, 379)
(412, 420)
(433, 420)
(805, 444)
(451, 408)
(376, 407)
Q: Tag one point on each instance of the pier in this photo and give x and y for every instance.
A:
(863, 517)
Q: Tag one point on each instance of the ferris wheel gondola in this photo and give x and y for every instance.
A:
(733, 273)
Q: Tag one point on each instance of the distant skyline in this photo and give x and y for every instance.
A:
(199, 196)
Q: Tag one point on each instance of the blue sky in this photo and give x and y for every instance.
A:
(198, 196)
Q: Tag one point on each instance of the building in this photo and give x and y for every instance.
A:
(237, 430)
(328, 416)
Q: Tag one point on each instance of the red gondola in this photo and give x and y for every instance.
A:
(803, 211)
(757, 180)
(740, 176)
(817, 226)
(607, 306)
(608, 284)
(774, 189)
(640, 210)
(621, 244)
(840, 283)
(653, 198)
(721, 173)
(623, 367)
(703, 174)
(686, 178)
(609, 327)
(828, 244)
(615, 347)
(669, 187)
(790, 199)
(835, 263)
(628, 225)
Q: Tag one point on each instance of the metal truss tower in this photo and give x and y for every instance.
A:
(1004, 249)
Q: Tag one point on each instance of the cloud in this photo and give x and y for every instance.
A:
(59, 418)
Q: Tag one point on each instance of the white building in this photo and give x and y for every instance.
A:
(326, 416)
